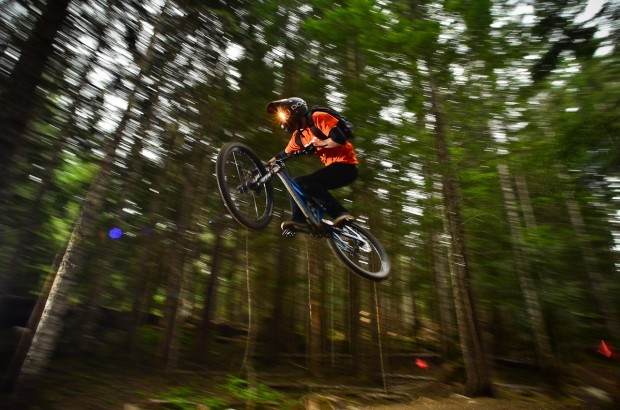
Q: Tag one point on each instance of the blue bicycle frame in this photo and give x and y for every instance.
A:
(352, 244)
(301, 198)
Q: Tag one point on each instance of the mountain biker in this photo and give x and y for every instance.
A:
(335, 152)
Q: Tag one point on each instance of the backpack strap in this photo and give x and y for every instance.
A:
(298, 139)
(317, 132)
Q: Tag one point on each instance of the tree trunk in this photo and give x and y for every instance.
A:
(146, 272)
(16, 283)
(210, 296)
(476, 367)
(19, 96)
(315, 310)
(440, 264)
(530, 294)
(603, 299)
(354, 331)
(281, 333)
(377, 371)
(445, 304)
(174, 316)
(49, 327)
(100, 279)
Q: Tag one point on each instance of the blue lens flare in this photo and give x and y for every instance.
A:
(115, 233)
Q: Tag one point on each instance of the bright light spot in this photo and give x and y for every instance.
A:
(572, 109)
(234, 51)
(115, 233)
(603, 51)
(116, 102)
(130, 211)
(592, 8)
(149, 154)
(282, 115)
(414, 210)
(422, 364)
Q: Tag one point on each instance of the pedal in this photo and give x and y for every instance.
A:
(289, 233)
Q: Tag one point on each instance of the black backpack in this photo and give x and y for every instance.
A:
(344, 127)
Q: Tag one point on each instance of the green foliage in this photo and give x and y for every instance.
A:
(377, 58)
(246, 391)
(186, 398)
(478, 19)
(363, 20)
(75, 173)
(61, 227)
(585, 116)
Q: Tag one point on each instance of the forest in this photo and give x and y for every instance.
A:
(488, 138)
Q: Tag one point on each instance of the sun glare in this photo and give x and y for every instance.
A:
(282, 115)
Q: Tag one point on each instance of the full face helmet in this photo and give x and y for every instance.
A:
(289, 111)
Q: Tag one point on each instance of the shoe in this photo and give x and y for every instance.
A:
(293, 225)
(343, 219)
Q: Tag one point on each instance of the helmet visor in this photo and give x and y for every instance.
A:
(288, 112)
(274, 106)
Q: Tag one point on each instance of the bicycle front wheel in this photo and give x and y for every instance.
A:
(238, 170)
(360, 252)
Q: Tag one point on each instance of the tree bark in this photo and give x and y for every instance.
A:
(49, 327)
(19, 96)
(354, 329)
(544, 353)
(603, 299)
(168, 352)
(281, 331)
(445, 304)
(478, 381)
(315, 319)
(210, 295)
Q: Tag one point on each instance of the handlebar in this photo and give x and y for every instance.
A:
(306, 150)
(255, 180)
(278, 163)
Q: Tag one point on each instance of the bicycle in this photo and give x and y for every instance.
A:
(244, 182)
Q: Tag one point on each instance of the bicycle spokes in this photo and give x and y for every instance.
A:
(352, 242)
(360, 251)
(247, 197)
(251, 183)
(245, 187)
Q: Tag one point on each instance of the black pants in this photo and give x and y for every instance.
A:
(319, 183)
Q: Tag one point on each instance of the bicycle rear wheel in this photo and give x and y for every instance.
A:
(360, 252)
(237, 170)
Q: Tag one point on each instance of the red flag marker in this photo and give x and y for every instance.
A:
(421, 363)
(604, 349)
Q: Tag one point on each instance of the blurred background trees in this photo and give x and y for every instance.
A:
(488, 139)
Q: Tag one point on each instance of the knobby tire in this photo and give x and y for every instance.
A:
(235, 165)
(362, 253)
(251, 205)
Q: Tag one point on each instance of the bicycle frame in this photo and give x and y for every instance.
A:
(315, 219)
(301, 199)
(243, 179)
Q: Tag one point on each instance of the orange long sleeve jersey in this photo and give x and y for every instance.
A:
(325, 122)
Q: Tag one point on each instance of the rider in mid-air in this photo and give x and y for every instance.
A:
(335, 152)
